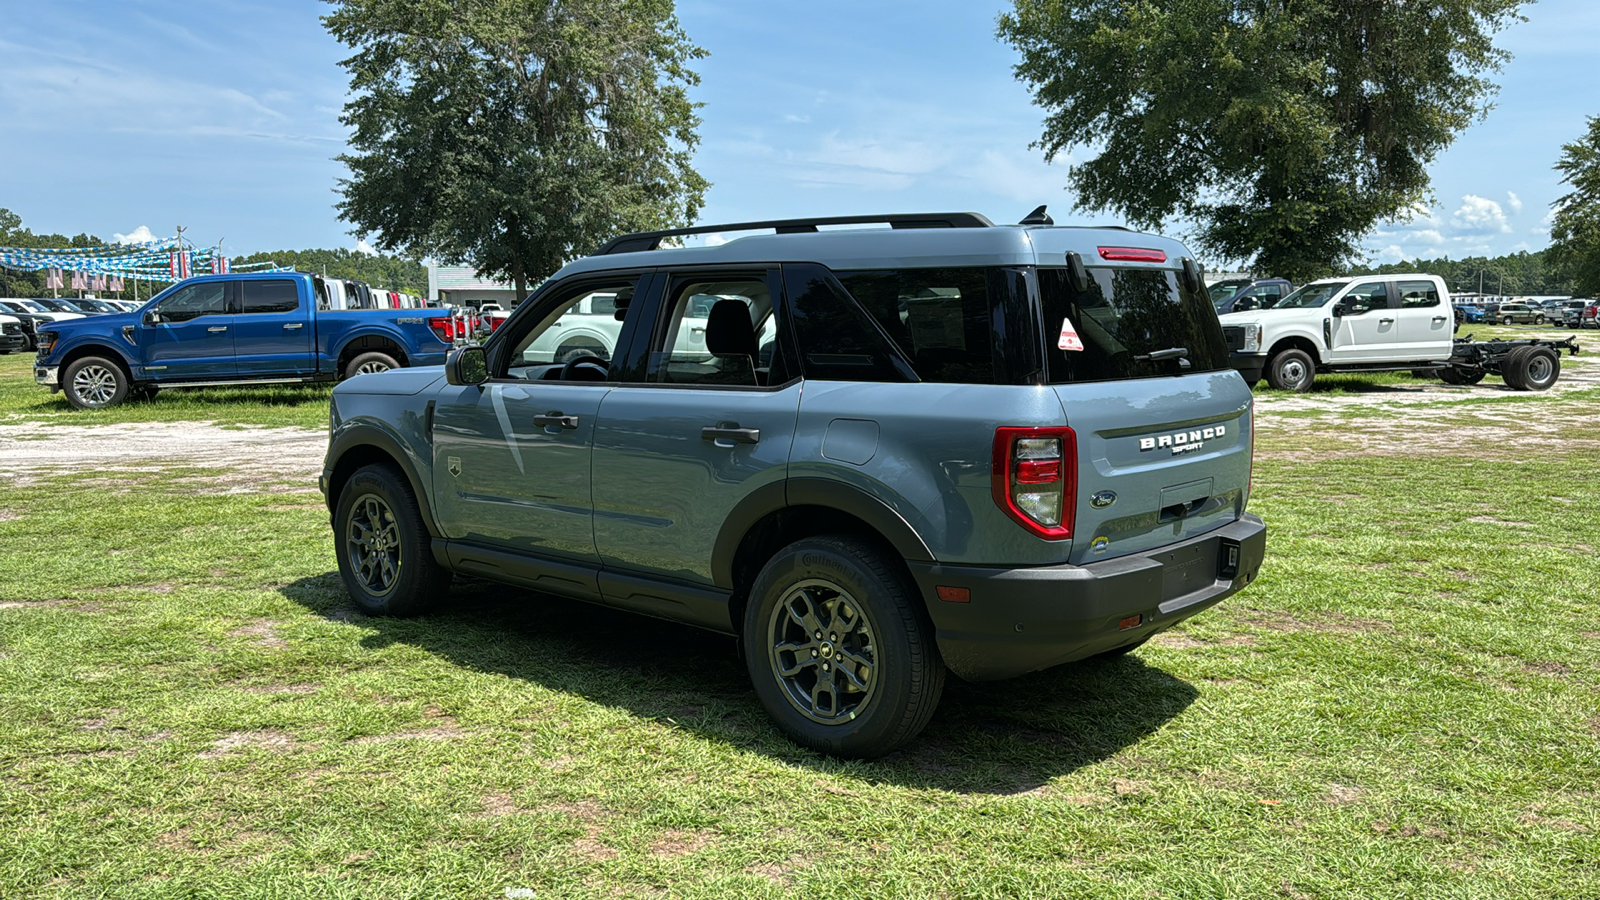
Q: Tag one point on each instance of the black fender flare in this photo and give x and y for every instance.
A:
(353, 437)
(821, 492)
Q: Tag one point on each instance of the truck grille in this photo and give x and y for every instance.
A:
(1234, 334)
(11, 328)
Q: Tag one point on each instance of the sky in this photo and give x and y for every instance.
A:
(131, 117)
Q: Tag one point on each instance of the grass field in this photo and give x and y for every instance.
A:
(1405, 705)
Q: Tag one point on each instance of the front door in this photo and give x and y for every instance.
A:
(709, 421)
(1368, 331)
(191, 334)
(511, 464)
(273, 329)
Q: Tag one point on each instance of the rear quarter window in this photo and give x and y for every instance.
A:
(1127, 313)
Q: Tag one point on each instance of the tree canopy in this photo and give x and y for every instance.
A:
(515, 135)
(1575, 227)
(388, 272)
(1284, 129)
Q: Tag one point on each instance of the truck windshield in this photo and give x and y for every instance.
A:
(1128, 324)
(1312, 295)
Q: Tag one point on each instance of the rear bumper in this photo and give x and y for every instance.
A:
(1248, 365)
(1024, 620)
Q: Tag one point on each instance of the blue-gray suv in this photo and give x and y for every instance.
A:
(871, 454)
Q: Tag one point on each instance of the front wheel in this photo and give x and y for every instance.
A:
(383, 545)
(839, 648)
(94, 383)
(1291, 370)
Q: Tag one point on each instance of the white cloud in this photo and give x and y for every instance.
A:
(1428, 236)
(1391, 254)
(1480, 215)
(802, 120)
(363, 247)
(1514, 202)
(139, 235)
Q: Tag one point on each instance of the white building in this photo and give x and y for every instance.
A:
(462, 286)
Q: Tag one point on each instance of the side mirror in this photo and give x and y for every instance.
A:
(1338, 310)
(152, 317)
(466, 366)
(1078, 273)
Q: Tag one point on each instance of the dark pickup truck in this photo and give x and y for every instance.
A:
(255, 328)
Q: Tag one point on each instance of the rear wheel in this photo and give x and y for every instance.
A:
(369, 363)
(94, 383)
(383, 546)
(1511, 368)
(839, 648)
(1291, 370)
(1537, 369)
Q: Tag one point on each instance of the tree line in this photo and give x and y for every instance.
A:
(1516, 274)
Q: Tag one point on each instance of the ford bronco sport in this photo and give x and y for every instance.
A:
(890, 453)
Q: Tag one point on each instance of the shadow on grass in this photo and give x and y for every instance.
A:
(999, 738)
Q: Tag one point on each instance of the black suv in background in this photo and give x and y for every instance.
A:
(1244, 294)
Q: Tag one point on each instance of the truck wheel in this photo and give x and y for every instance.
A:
(94, 382)
(368, 363)
(1511, 368)
(1461, 377)
(382, 545)
(1537, 368)
(839, 648)
(1291, 370)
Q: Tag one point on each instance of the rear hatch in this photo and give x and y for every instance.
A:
(1162, 423)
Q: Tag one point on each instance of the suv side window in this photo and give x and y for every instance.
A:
(837, 340)
(539, 348)
(207, 298)
(939, 318)
(717, 330)
(269, 296)
(1417, 294)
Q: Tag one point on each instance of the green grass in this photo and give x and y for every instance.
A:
(1404, 705)
(23, 400)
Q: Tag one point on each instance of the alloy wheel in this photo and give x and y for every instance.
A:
(95, 385)
(823, 652)
(368, 368)
(373, 542)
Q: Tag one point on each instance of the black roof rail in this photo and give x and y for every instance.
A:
(651, 240)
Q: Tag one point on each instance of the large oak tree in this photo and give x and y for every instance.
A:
(515, 135)
(1575, 227)
(1285, 129)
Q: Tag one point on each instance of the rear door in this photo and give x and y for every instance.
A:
(1427, 324)
(700, 423)
(190, 336)
(273, 328)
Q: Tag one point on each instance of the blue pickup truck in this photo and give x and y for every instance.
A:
(256, 328)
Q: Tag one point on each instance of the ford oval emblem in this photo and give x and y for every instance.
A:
(1103, 499)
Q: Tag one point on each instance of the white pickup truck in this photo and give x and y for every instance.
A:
(1377, 323)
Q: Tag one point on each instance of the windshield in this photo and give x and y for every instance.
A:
(58, 306)
(1222, 290)
(28, 305)
(1311, 296)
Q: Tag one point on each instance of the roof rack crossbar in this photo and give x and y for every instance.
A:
(651, 240)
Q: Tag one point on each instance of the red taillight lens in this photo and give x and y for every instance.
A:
(1034, 478)
(444, 328)
(1132, 254)
(494, 322)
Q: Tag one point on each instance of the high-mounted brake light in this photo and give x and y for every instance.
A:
(1132, 254)
(1034, 478)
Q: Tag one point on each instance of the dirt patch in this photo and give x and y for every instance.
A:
(267, 739)
(1177, 641)
(1548, 667)
(778, 873)
(496, 806)
(677, 842)
(1127, 787)
(270, 689)
(263, 632)
(436, 733)
(594, 851)
(1336, 623)
(1340, 794)
(61, 602)
(7, 515)
(277, 456)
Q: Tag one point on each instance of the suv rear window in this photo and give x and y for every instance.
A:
(1127, 313)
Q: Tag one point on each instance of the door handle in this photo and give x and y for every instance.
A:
(1438, 318)
(556, 419)
(290, 326)
(217, 329)
(1385, 321)
(730, 433)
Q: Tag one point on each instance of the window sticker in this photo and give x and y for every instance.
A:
(1069, 339)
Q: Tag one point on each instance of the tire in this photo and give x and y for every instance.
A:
(94, 382)
(1538, 320)
(1291, 370)
(1511, 368)
(867, 612)
(383, 547)
(1461, 377)
(369, 363)
(1537, 369)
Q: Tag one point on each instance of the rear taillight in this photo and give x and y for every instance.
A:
(444, 328)
(1132, 254)
(1035, 478)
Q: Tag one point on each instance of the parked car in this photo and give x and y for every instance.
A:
(1588, 316)
(13, 305)
(894, 453)
(12, 337)
(1567, 313)
(1242, 294)
(258, 328)
(1469, 313)
(1518, 312)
